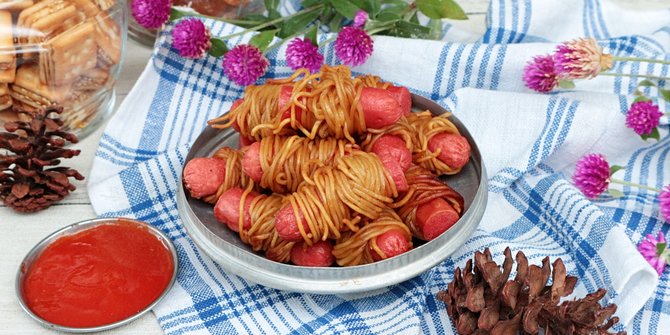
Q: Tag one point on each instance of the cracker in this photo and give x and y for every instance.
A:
(105, 4)
(45, 20)
(108, 38)
(68, 55)
(5, 98)
(15, 5)
(91, 80)
(7, 51)
(29, 90)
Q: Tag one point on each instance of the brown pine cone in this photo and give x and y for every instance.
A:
(28, 183)
(481, 300)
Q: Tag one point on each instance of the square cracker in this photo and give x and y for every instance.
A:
(5, 98)
(29, 90)
(7, 50)
(108, 38)
(15, 5)
(68, 55)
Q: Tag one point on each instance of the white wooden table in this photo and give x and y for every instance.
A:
(20, 232)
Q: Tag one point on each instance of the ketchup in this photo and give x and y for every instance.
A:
(99, 275)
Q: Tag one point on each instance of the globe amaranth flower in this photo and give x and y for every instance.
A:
(655, 255)
(244, 64)
(301, 53)
(664, 202)
(592, 175)
(539, 74)
(643, 117)
(353, 46)
(360, 19)
(191, 38)
(151, 14)
(580, 59)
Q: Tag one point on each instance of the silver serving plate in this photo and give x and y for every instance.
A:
(225, 247)
(74, 228)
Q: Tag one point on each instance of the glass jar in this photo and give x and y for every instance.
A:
(63, 53)
(228, 9)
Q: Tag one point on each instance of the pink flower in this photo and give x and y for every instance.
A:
(303, 54)
(580, 59)
(592, 175)
(643, 117)
(191, 38)
(244, 64)
(539, 74)
(360, 19)
(664, 202)
(151, 14)
(353, 46)
(649, 248)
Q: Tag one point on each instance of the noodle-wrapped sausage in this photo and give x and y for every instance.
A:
(209, 177)
(317, 254)
(281, 163)
(430, 207)
(329, 103)
(336, 199)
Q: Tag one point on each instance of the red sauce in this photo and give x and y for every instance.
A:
(98, 276)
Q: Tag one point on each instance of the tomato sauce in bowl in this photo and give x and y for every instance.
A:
(96, 275)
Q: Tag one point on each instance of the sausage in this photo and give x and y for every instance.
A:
(435, 217)
(391, 243)
(287, 225)
(285, 93)
(380, 108)
(455, 149)
(204, 175)
(404, 98)
(227, 208)
(245, 141)
(393, 146)
(318, 254)
(396, 172)
(251, 162)
(232, 108)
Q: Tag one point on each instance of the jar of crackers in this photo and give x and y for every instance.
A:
(64, 53)
(227, 9)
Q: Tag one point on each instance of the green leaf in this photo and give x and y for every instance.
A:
(567, 84)
(641, 98)
(386, 16)
(311, 34)
(263, 39)
(297, 23)
(310, 3)
(176, 14)
(615, 168)
(646, 83)
(345, 7)
(410, 30)
(271, 6)
(372, 7)
(654, 135)
(335, 23)
(615, 193)
(441, 9)
(660, 248)
(665, 94)
(219, 47)
(380, 25)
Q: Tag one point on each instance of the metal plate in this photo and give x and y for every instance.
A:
(225, 247)
(72, 229)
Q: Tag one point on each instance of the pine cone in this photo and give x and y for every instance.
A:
(484, 301)
(26, 182)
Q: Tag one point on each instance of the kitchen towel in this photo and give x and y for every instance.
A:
(530, 143)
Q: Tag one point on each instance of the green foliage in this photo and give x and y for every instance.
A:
(653, 135)
(219, 47)
(615, 168)
(441, 9)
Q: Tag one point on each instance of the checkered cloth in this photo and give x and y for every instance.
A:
(529, 142)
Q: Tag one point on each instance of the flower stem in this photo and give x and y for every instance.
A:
(627, 183)
(269, 23)
(637, 59)
(288, 38)
(648, 76)
(327, 41)
(196, 14)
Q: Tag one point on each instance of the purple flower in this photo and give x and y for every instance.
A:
(539, 74)
(303, 54)
(580, 59)
(360, 19)
(664, 202)
(592, 175)
(151, 14)
(643, 117)
(191, 38)
(650, 251)
(244, 64)
(353, 46)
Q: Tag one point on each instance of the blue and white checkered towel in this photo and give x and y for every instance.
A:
(530, 143)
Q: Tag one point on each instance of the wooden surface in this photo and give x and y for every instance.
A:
(19, 233)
